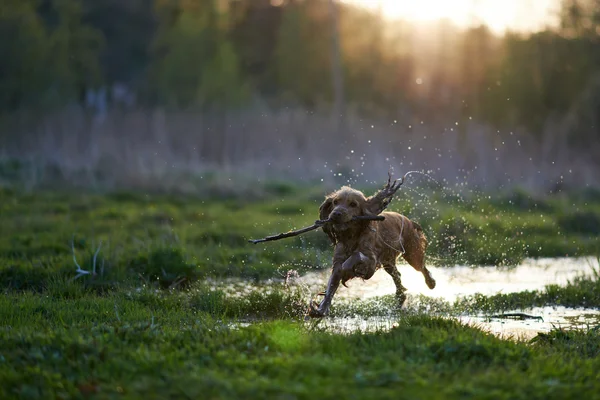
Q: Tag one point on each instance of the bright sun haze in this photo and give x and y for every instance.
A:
(498, 15)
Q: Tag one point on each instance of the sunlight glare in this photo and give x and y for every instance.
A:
(498, 15)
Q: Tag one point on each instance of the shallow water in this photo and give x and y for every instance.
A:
(452, 283)
(552, 317)
(506, 328)
(455, 282)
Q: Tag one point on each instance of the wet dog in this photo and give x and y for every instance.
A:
(362, 247)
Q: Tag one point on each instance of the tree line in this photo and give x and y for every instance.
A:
(216, 55)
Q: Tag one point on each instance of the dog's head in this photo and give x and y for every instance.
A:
(340, 207)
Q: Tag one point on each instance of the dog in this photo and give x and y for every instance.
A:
(362, 247)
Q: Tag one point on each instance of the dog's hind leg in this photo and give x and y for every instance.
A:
(400, 290)
(428, 278)
(417, 261)
(415, 246)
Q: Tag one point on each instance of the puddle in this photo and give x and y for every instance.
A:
(459, 281)
(551, 317)
(452, 283)
(506, 328)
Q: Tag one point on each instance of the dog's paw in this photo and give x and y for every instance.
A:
(430, 283)
(400, 299)
(314, 311)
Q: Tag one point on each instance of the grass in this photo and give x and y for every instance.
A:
(581, 292)
(170, 239)
(160, 237)
(129, 346)
(152, 323)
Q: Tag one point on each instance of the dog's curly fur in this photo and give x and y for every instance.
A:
(362, 247)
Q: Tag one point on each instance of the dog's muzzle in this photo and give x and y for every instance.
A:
(339, 217)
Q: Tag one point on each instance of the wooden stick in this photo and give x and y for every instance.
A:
(316, 225)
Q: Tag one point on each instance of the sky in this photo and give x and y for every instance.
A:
(499, 15)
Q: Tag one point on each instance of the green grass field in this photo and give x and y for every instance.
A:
(150, 324)
(166, 238)
(139, 346)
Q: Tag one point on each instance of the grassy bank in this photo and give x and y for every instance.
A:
(168, 240)
(76, 344)
(71, 342)
(120, 334)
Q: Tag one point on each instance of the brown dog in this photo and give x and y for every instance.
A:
(362, 247)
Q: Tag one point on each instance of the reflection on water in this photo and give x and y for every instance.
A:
(456, 281)
(453, 283)
(552, 317)
(506, 328)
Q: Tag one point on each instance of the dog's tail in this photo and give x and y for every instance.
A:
(421, 238)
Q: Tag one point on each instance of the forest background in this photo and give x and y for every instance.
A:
(168, 94)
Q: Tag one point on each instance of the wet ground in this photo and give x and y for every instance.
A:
(452, 283)
(457, 281)
(507, 328)
(549, 317)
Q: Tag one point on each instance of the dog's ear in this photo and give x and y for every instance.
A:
(324, 211)
(325, 208)
(371, 207)
(364, 207)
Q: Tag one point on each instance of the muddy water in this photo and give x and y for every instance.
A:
(457, 281)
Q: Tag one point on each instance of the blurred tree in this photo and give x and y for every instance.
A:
(540, 76)
(254, 34)
(49, 57)
(213, 54)
(221, 83)
(514, 95)
(339, 97)
(378, 68)
(302, 54)
(445, 70)
(195, 65)
(128, 28)
(23, 54)
(580, 24)
(580, 18)
(75, 50)
(478, 53)
(194, 61)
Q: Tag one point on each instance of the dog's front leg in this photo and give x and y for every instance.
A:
(332, 286)
(348, 265)
(341, 271)
(360, 264)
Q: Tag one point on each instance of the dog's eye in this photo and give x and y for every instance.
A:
(335, 202)
(353, 204)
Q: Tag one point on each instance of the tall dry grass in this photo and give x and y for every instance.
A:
(156, 149)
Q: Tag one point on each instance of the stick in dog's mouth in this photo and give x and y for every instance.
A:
(316, 225)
